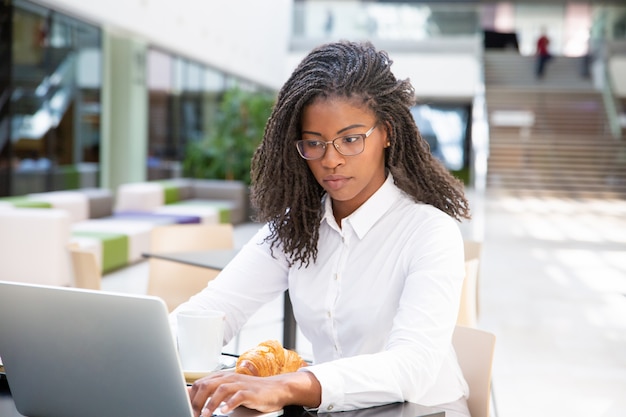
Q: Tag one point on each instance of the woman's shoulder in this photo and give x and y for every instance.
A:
(406, 202)
(421, 211)
(421, 219)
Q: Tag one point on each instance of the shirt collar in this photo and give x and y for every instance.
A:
(370, 212)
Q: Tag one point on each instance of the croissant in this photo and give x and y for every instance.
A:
(268, 358)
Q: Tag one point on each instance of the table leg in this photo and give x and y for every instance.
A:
(289, 324)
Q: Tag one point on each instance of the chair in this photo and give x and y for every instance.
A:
(473, 249)
(468, 309)
(470, 299)
(32, 246)
(475, 349)
(175, 282)
(86, 269)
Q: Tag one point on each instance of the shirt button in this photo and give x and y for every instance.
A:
(330, 407)
(329, 314)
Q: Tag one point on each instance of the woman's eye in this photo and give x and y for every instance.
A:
(350, 139)
(314, 144)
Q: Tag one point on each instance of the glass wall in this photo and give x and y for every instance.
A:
(50, 102)
(54, 109)
(446, 128)
(6, 157)
(184, 100)
(383, 21)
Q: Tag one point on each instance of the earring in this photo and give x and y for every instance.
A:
(388, 144)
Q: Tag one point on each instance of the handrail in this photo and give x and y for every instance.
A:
(608, 98)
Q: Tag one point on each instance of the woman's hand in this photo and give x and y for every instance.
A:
(260, 393)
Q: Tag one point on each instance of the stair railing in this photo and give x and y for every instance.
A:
(608, 97)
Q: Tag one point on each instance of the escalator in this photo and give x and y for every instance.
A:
(41, 103)
(42, 95)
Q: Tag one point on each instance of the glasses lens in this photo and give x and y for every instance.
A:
(311, 149)
(350, 145)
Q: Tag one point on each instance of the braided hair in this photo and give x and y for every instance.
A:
(285, 193)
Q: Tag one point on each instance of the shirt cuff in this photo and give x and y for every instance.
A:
(333, 387)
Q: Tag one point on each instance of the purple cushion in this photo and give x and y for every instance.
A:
(161, 218)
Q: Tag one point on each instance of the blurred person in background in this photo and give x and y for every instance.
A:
(543, 55)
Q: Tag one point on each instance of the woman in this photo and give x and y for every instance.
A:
(360, 228)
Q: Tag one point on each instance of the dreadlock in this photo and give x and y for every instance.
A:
(284, 191)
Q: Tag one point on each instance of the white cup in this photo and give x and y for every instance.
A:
(200, 338)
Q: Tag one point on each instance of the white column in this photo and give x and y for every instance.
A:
(124, 110)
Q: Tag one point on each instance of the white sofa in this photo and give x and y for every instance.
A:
(117, 228)
(187, 196)
(33, 246)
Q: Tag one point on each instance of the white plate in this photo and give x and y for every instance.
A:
(226, 362)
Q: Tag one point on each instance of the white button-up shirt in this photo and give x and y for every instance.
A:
(379, 305)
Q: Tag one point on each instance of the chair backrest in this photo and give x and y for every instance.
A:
(86, 269)
(474, 350)
(468, 309)
(473, 251)
(175, 282)
(33, 246)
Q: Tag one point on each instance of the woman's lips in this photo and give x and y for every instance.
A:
(335, 182)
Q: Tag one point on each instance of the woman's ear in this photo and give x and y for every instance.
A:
(387, 129)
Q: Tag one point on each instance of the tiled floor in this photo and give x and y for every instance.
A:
(552, 289)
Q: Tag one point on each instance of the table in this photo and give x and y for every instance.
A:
(218, 259)
(7, 409)
(214, 259)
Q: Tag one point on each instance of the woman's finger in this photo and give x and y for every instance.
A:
(226, 388)
(201, 391)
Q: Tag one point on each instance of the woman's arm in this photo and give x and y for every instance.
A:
(253, 278)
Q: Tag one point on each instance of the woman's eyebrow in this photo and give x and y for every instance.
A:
(338, 132)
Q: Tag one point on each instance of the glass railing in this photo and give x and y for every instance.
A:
(400, 23)
(610, 105)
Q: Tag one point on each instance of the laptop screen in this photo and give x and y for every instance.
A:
(72, 352)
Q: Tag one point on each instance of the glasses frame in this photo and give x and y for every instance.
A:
(325, 143)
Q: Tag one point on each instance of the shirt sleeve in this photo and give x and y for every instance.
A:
(253, 278)
(418, 358)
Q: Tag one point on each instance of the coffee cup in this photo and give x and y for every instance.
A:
(200, 338)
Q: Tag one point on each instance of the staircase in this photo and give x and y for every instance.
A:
(549, 137)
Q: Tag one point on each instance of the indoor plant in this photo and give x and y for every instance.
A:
(228, 148)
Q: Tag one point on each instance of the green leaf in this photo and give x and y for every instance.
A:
(237, 132)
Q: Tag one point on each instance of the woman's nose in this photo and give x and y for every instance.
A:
(332, 157)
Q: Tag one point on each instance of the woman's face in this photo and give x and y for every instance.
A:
(348, 180)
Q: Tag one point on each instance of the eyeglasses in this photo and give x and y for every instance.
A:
(348, 145)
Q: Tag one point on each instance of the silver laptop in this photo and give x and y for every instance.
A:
(73, 353)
